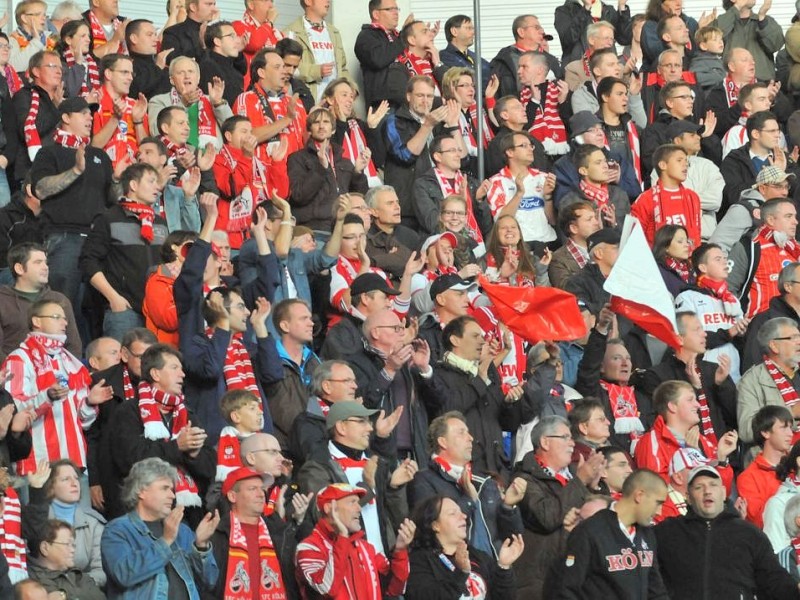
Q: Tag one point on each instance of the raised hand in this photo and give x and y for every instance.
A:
(404, 473)
(368, 474)
(300, 504)
(80, 160)
(375, 116)
(205, 159)
(100, 393)
(38, 478)
(139, 109)
(123, 163)
(515, 491)
(337, 522)
(259, 316)
(191, 183)
(405, 534)
(205, 529)
(161, 58)
(461, 557)
(727, 444)
(216, 89)
(510, 551)
(723, 370)
(171, 524)
(385, 424)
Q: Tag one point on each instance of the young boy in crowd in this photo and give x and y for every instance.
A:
(707, 64)
(244, 417)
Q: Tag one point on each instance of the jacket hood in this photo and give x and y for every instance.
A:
(752, 196)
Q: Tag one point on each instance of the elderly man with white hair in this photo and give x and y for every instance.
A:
(791, 521)
(206, 108)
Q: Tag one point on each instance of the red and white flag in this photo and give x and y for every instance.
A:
(637, 290)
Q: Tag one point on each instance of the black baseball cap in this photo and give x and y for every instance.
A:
(371, 282)
(680, 126)
(75, 104)
(451, 281)
(607, 235)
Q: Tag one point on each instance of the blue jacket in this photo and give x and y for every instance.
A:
(136, 562)
(180, 212)
(453, 57)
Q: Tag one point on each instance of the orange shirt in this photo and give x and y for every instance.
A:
(123, 141)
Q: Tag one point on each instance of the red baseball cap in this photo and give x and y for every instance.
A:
(238, 475)
(337, 491)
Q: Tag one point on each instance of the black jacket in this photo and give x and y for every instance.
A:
(655, 135)
(571, 20)
(488, 518)
(432, 579)
(778, 307)
(229, 70)
(587, 285)
(484, 407)
(342, 338)
(148, 78)
(116, 248)
(184, 38)
(17, 224)
(375, 53)
(721, 398)
(504, 65)
(427, 203)
(739, 173)
(47, 120)
(598, 559)
(314, 189)
(725, 557)
(374, 138)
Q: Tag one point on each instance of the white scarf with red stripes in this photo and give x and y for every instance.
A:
(11, 543)
(547, 123)
(353, 145)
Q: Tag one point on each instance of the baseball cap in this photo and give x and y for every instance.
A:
(75, 104)
(771, 174)
(345, 410)
(686, 458)
(680, 126)
(448, 235)
(215, 250)
(582, 121)
(451, 281)
(607, 235)
(706, 470)
(337, 491)
(238, 475)
(371, 282)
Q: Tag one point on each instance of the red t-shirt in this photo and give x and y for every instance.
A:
(254, 569)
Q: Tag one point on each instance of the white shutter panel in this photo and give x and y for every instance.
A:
(497, 16)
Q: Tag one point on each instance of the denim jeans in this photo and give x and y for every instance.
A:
(115, 324)
(5, 190)
(63, 254)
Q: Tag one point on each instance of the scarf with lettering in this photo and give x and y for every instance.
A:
(240, 211)
(151, 401)
(624, 408)
(92, 72)
(32, 139)
(468, 125)
(353, 145)
(706, 426)
(12, 544)
(784, 385)
(547, 123)
(237, 578)
(127, 385)
(681, 267)
(391, 34)
(419, 66)
(577, 253)
(459, 186)
(720, 291)
(475, 584)
(228, 452)
(69, 139)
(12, 80)
(144, 212)
(596, 194)
(732, 90)
(585, 62)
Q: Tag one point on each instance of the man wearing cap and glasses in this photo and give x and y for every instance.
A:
(336, 557)
(702, 551)
(348, 460)
(449, 298)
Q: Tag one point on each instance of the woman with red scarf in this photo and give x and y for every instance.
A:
(81, 72)
(672, 249)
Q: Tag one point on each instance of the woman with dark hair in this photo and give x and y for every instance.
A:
(52, 563)
(444, 567)
(55, 493)
(652, 44)
(508, 259)
(787, 471)
(160, 313)
(81, 71)
(672, 248)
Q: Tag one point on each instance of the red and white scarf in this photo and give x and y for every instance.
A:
(721, 292)
(659, 219)
(577, 253)
(353, 145)
(585, 62)
(635, 148)
(785, 387)
(174, 150)
(732, 90)
(596, 194)
(237, 578)
(240, 211)
(43, 350)
(127, 385)
(547, 123)
(92, 72)
(228, 452)
(766, 235)
(272, 500)
(563, 476)
(624, 408)
(11, 542)
(32, 139)
(144, 212)
(206, 121)
(419, 66)
(453, 471)
(99, 37)
(69, 139)
(681, 267)
(238, 368)
(12, 79)
(706, 426)
(391, 34)
(151, 403)
(459, 186)
(468, 125)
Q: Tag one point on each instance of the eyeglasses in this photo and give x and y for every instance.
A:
(788, 338)
(71, 544)
(4, 46)
(359, 420)
(780, 186)
(449, 150)
(133, 354)
(683, 97)
(564, 438)
(389, 9)
(396, 328)
(454, 213)
(346, 380)
(54, 317)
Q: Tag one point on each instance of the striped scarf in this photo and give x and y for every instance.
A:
(596, 194)
(353, 146)
(11, 543)
(145, 213)
(391, 34)
(69, 139)
(151, 401)
(469, 129)
(547, 123)
(12, 80)
(635, 147)
(99, 33)
(681, 267)
(579, 254)
(127, 385)
(706, 427)
(784, 385)
(459, 186)
(32, 139)
(92, 72)
(228, 452)
(238, 368)
(238, 585)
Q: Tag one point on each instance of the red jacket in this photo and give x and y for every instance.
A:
(654, 215)
(347, 568)
(757, 484)
(158, 308)
(655, 448)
